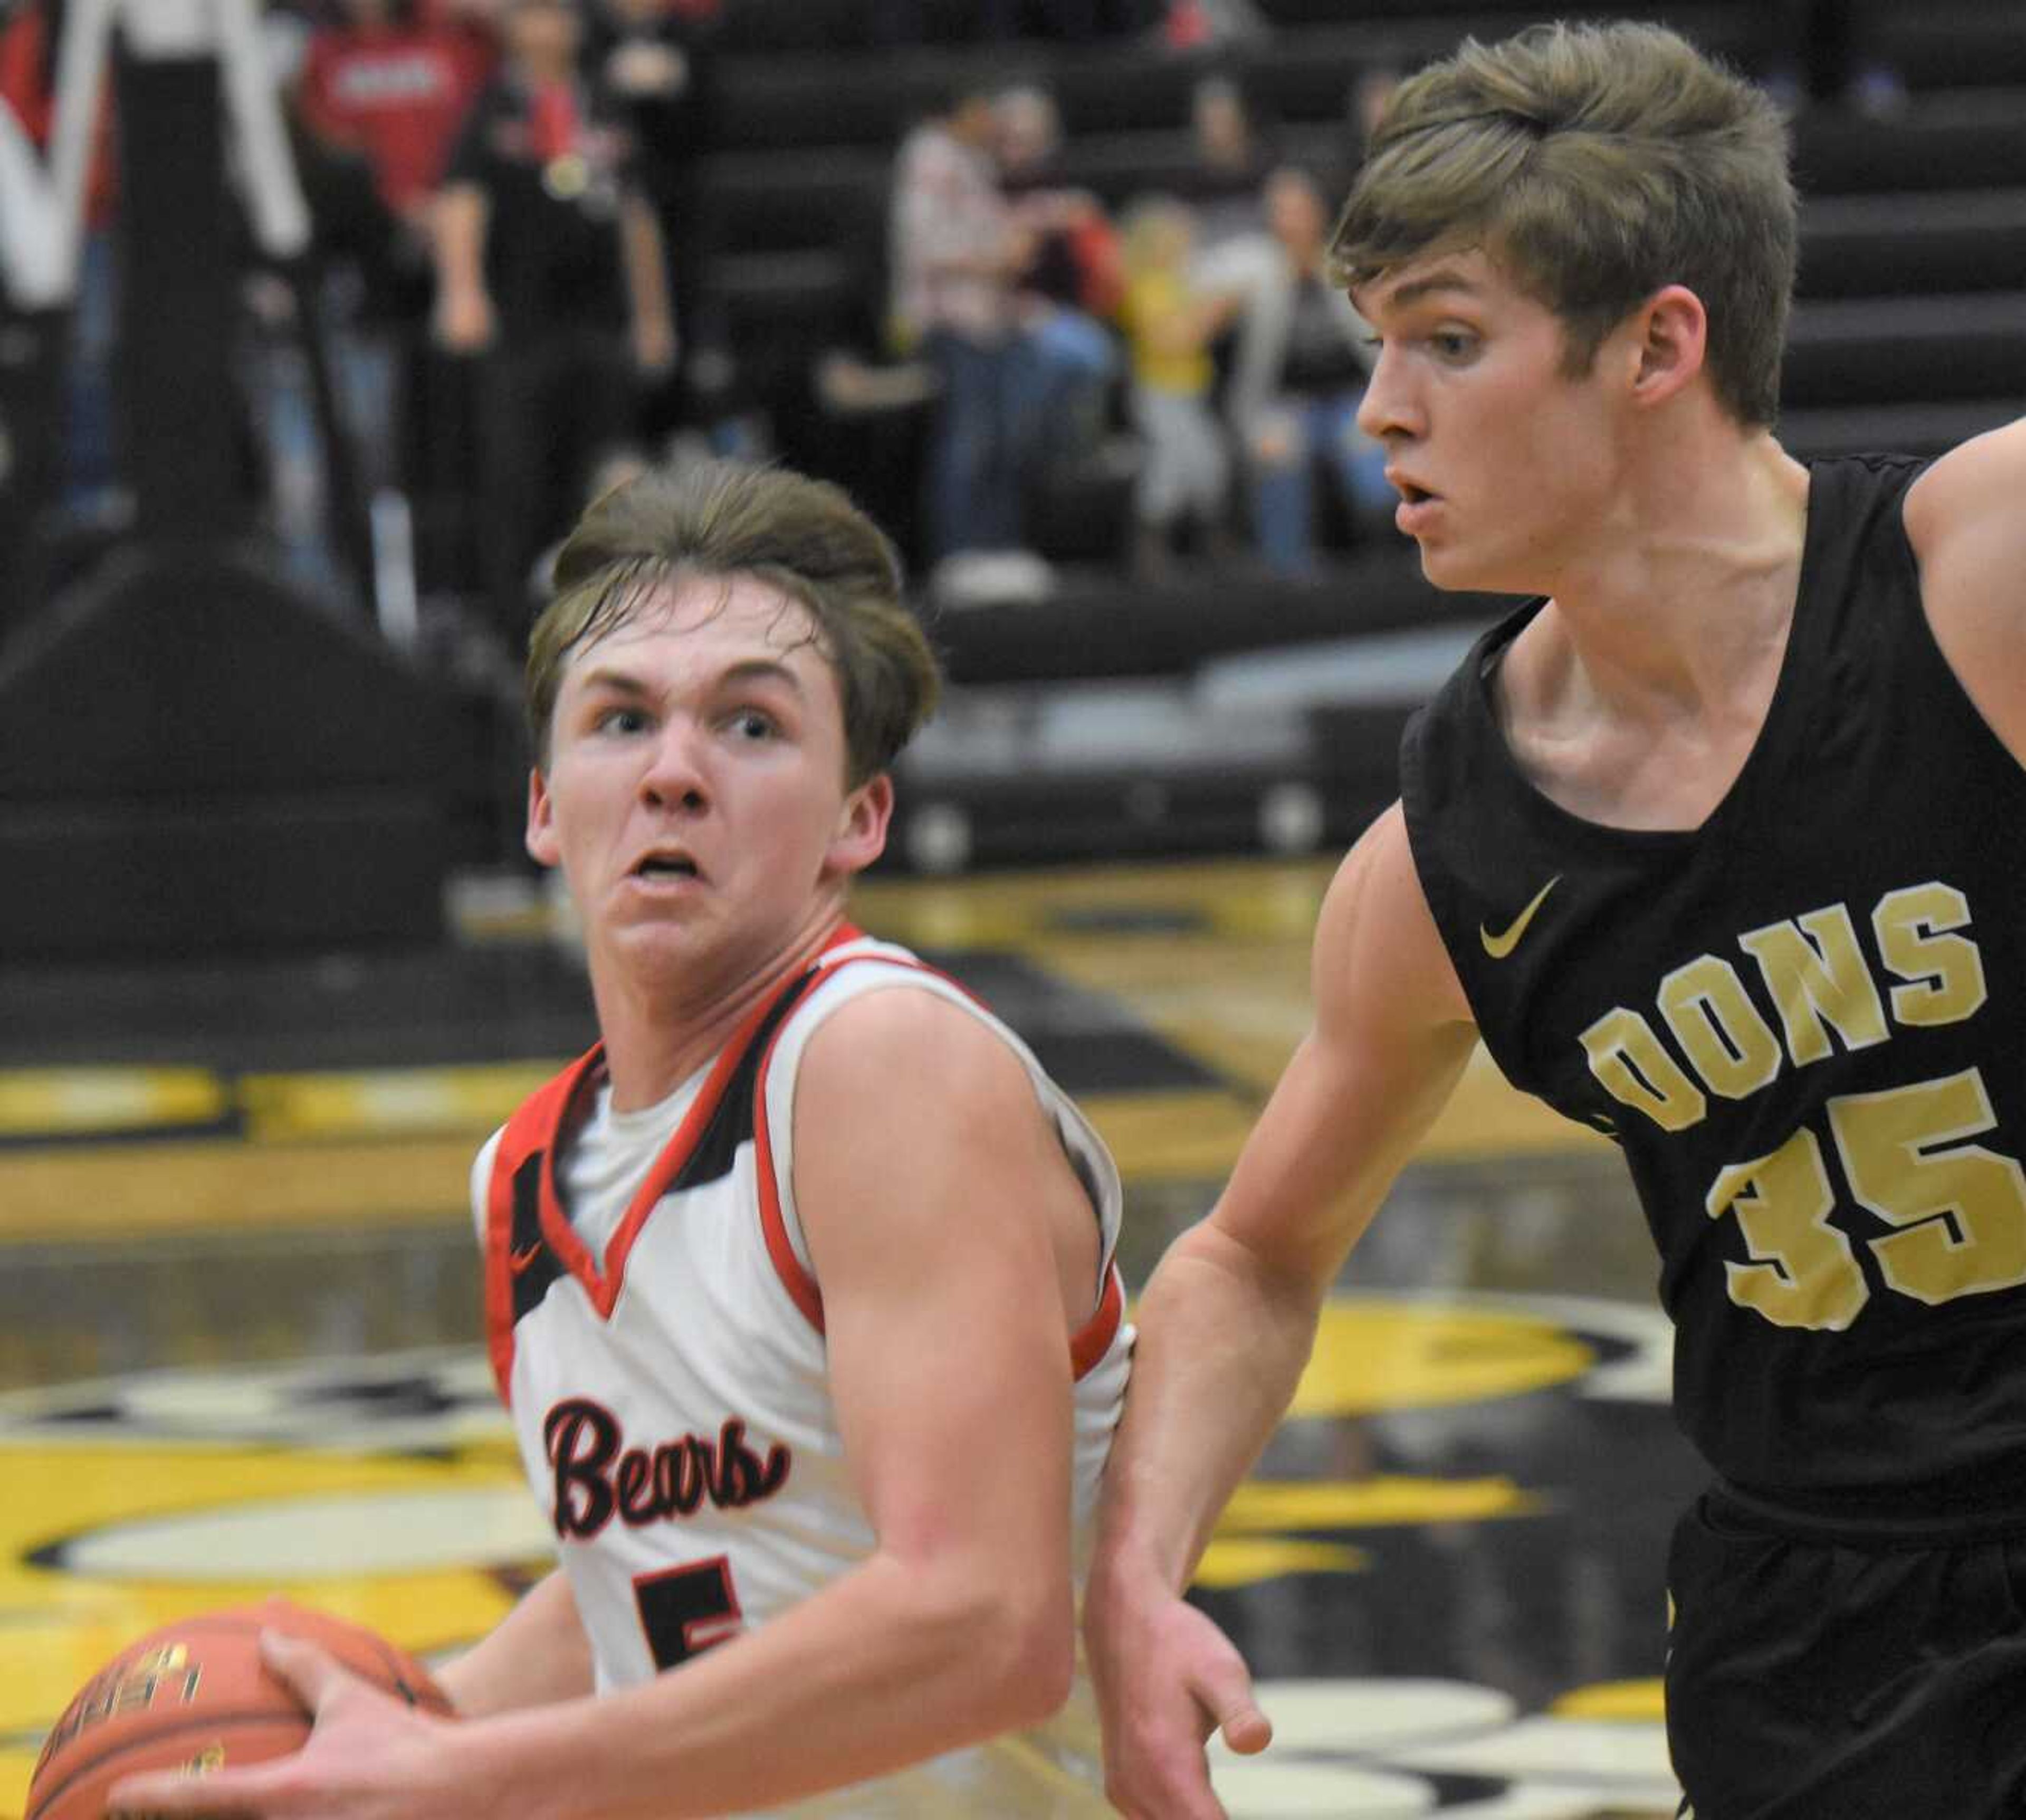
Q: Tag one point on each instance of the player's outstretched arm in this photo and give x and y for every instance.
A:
(1965, 518)
(1228, 1321)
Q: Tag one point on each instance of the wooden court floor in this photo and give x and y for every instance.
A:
(238, 1332)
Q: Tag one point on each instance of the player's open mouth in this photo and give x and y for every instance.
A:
(658, 866)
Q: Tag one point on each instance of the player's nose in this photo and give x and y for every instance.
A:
(1387, 410)
(676, 774)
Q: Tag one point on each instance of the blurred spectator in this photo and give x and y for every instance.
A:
(956, 248)
(1370, 90)
(393, 80)
(389, 82)
(30, 39)
(1188, 26)
(550, 264)
(655, 64)
(1297, 379)
(343, 301)
(1185, 471)
(1234, 156)
(1069, 288)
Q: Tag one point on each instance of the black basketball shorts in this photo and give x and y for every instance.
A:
(1820, 1675)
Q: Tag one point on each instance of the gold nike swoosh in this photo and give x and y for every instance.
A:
(1499, 946)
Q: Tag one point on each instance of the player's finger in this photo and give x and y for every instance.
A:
(310, 1672)
(221, 1796)
(1225, 1690)
(1246, 1730)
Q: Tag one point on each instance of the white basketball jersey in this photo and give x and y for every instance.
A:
(671, 1397)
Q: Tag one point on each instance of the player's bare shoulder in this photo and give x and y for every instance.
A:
(908, 1029)
(1968, 534)
(1378, 951)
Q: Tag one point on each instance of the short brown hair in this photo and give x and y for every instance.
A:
(1597, 163)
(722, 518)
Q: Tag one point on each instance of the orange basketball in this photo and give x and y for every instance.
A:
(195, 1695)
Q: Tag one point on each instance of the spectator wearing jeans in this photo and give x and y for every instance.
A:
(957, 249)
(1297, 379)
(1065, 295)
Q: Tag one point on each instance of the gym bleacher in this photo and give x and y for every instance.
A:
(1220, 710)
(1109, 717)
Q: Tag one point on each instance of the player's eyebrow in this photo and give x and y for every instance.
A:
(761, 670)
(1442, 278)
(613, 680)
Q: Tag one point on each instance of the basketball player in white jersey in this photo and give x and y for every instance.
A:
(799, 1286)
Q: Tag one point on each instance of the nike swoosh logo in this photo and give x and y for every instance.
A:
(518, 1261)
(1499, 946)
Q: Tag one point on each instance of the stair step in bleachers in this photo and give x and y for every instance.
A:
(1968, 139)
(857, 95)
(1907, 350)
(1093, 628)
(1922, 428)
(1967, 240)
(1946, 44)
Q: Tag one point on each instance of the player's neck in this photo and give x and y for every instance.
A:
(1682, 593)
(661, 1023)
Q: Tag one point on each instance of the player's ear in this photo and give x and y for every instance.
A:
(860, 836)
(540, 838)
(1673, 329)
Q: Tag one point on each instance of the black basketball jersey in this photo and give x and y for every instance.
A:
(1805, 1023)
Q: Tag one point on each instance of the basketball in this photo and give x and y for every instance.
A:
(195, 1695)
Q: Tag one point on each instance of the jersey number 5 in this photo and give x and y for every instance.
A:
(685, 1610)
(1960, 1209)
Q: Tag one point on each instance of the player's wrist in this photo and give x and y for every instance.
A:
(1130, 1570)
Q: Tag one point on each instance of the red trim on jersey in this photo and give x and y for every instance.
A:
(533, 1126)
(1093, 1340)
(1087, 1346)
(602, 1285)
(800, 1286)
(539, 1125)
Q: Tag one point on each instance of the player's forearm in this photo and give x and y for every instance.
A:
(1222, 1343)
(888, 1666)
(536, 1655)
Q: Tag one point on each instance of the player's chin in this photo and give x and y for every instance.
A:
(1446, 565)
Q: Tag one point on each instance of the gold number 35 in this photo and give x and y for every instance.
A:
(1960, 1209)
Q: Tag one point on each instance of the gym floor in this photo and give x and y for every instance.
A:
(239, 1331)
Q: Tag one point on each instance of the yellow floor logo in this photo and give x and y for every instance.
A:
(388, 1491)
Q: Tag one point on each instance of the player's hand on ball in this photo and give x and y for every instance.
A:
(369, 1756)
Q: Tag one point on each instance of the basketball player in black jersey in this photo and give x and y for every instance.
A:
(1715, 844)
